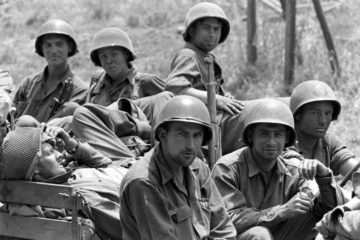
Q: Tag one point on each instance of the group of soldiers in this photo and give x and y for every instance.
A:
(136, 146)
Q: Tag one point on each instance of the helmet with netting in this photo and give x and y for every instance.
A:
(270, 111)
(111, 37)
(185, 109)
(56, 27)
(313, 91)
(206, 10)
(20, 153)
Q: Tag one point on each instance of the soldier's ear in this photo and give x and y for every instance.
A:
(161, 133)
(249, 136)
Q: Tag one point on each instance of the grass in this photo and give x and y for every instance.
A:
(152, 26)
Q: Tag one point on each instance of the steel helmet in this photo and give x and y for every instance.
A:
(270, 111)
(185, 109)
(56, 26)
(204, 10)
(313, 91)
(19, 153)
(111, 37)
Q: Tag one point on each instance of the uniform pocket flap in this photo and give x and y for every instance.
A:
(180, 214)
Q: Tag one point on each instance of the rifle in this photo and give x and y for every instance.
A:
(63, 96)
(214, 147)
(349, 174)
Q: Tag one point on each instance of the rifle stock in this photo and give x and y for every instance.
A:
(214, 147)
(63, 96)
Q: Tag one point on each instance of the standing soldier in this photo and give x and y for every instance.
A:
(39, 95)
(314, 106)
(113, 51)
(262, 191)
(169, 194)
(194, 67)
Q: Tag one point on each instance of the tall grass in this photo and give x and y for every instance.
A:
(152, 26)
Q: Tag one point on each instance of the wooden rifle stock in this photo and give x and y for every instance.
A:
(214, 147)
(63, 96)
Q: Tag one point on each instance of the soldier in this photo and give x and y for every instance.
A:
(37, 93)
(31, 154)
(6, 81)
(343, 222)
(194, 66)
(113, 51)
(122, 103)
(168, 194)
(261, 191)
(314, 106)
(6, 109)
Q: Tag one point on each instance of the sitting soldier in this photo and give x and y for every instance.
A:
(261, 190)
(343, 222)
(56, 91)
(32, 154)
(112, 50)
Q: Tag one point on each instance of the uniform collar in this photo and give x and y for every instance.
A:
(164, 167)
(254, 169)
(45, 72)
(129, 77)
(197, 50)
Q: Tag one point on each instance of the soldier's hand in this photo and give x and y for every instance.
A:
(56, 132)
(310, 168)
(229, 105)
(298, 204)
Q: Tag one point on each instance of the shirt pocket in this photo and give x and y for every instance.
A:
(181, 218)
(180, 214)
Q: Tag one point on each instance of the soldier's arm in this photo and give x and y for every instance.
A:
(242, 216)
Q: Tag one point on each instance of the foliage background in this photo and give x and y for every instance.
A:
(154, 27)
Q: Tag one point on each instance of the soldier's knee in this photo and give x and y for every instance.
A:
(256, 233)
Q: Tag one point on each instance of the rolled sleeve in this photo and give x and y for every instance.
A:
(242, 216)
(330, 195)
(184, 71)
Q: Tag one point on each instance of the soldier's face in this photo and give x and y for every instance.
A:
(181, 143)
(206, 34)
(314, 119)
(50, 162)
(56, 49)
(114, 61)
(268, 142)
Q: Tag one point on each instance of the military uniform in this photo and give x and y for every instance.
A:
(119, 133)
(188, 69)
(251, 203)
(255, 180)
(32, 97)
(328, 150)
(154, 205)
(95, 176)
(145, 90)
(165, 197)
(104, 91)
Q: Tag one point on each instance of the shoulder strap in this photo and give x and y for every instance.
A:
(94, 80)
(135, 91)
